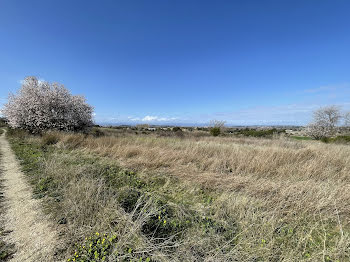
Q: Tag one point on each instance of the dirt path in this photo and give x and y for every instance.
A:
(31, 233)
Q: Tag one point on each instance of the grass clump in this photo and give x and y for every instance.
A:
(49, 138)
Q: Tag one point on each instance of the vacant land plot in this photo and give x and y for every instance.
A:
(192, 199)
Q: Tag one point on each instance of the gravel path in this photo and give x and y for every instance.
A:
(31, 232)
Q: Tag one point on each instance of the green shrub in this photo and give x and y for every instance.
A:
(326, 139)
(341, 139)
(215, 131)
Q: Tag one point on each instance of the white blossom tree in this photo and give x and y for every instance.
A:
(40, 106)
(325, 121)
(347, 119)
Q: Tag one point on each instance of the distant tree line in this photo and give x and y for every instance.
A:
(40, 106)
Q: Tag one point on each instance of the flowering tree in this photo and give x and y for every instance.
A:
(325, 121)
(40, 106)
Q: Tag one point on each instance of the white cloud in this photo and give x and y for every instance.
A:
(152, 119)
(157, 119)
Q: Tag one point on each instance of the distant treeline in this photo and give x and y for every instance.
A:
(259, 133)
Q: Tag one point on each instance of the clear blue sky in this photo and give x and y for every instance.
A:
(183, 61)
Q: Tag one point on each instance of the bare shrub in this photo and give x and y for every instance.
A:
(216, 127)
(40, 106)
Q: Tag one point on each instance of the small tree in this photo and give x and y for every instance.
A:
(217, 127)
(325, 121)
(40, 106)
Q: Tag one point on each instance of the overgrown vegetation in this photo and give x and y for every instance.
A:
(149, 215)
(301, 137)
(258, 133)
(6, 249)
(2, 122)
(206, 199)
(344, 139)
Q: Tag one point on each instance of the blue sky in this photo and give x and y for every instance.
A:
(184, 61)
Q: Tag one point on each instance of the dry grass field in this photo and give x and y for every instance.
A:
(193, 198)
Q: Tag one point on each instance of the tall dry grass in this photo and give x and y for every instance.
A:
(290, 199)
(264, 183)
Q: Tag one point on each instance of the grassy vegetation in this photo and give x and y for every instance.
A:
(6, 249)
(3, 122)
(344, 139)
(191, 199)
(147, 217)
(258, 133)
(301, 137)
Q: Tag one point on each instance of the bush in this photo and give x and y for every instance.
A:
(215, 131)
(177, 129)
(41, 106)
(339, 139)
(342, 139)
(325, 139)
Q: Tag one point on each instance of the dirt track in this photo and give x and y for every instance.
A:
(33, 236)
